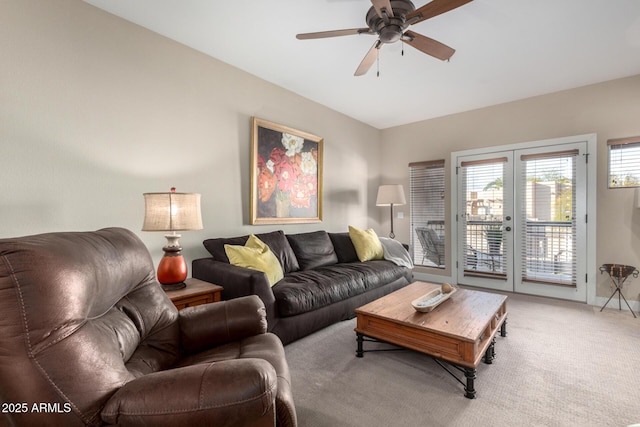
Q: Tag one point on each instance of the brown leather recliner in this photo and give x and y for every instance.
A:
(88, 337)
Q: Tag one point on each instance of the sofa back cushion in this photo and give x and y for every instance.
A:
(344, 248)
(313, 249)
(276, 241)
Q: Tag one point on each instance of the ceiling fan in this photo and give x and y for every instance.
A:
(389, 19)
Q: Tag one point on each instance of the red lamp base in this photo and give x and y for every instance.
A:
(172, 270)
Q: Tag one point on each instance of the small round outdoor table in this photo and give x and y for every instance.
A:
(619, 274)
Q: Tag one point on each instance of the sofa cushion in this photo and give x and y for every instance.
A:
(343, 246)
(276, 241)
(256, 255)
(308, 290)
(367, 244)
(313, 249)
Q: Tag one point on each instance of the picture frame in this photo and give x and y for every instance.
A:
(286, 174)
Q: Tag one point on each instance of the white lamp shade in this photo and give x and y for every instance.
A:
(172, 212)
(391, 194)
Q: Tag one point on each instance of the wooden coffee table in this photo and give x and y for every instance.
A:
(460, 331)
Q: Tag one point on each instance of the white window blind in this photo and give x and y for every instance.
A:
(427, 213)
(483, 199)
(548, 218)
(624, 162)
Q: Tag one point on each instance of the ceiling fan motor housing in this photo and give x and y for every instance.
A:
(390, 29)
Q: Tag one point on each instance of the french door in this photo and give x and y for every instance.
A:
(521, 220)
(485, 220)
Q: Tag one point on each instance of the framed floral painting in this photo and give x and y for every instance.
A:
(286, 174)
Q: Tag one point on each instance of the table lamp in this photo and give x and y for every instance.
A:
(172, 212)
(389, 195)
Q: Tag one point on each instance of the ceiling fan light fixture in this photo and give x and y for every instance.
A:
(390, 34)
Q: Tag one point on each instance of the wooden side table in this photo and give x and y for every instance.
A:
(197, 292)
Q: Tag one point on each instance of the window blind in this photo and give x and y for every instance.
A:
(624, 162)
(427, 213)
(483, 199)
(548, 218)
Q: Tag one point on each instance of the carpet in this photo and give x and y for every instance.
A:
(561, 364)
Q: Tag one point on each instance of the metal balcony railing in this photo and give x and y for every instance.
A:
(548, 251)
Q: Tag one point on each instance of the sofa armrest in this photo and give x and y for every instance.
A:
(208, 325)
(237, 282)
(232, 392)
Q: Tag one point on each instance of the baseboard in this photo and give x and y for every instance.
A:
(435, 278)
(596, 302)
(613, 304)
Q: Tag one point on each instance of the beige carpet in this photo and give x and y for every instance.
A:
(561, 364)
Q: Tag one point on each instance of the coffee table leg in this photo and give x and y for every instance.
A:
(503, 328)
(490, 354)
(359, 339)
(469, 390)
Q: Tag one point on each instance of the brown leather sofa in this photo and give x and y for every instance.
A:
(88, 337)
(324, 281)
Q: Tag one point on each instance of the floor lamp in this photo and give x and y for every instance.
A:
(389, 195)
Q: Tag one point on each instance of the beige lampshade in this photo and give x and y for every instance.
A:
(391, 194)
(172, 212)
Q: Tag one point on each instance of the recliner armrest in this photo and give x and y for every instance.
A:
(232, 392)
(208, 325)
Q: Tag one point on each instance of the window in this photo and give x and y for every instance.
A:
(624, 162)
(427, 213)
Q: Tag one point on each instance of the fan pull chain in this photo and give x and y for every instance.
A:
(402, 51)
(378, 62)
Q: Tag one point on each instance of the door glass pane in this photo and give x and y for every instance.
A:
(483, 192)
(549, 218)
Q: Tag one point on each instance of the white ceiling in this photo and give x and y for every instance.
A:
(505, 50)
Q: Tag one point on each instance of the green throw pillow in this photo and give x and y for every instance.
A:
(256, 255)
(367, 244)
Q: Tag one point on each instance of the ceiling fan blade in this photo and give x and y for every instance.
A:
(379, 5)
(428, 45)
(334, 33)
(435, 8)
(368, 59)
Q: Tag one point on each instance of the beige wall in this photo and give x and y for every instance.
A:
(94, 111)
(610, 109)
